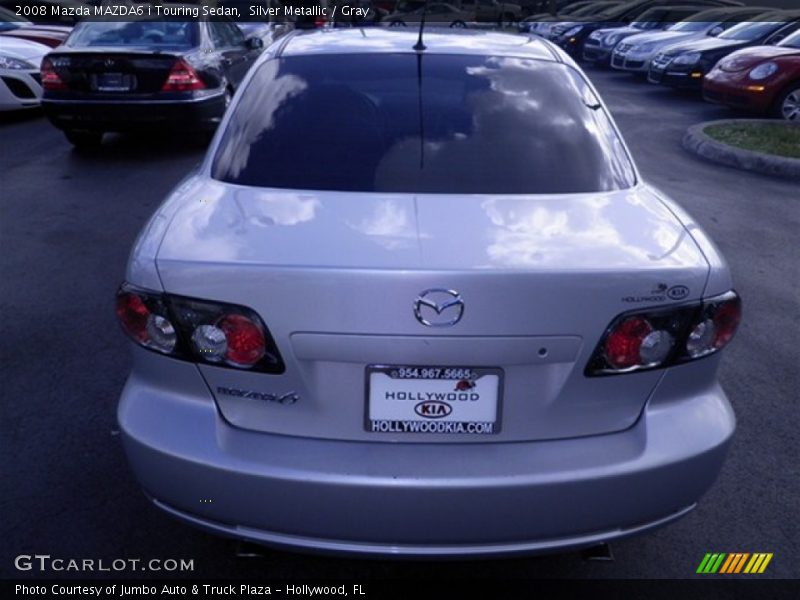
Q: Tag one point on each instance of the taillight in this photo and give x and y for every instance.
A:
(51, 80)
(716, 326)
(245, 340)
(182, 78)
(198, 330)
(145, 320)
(658, 338)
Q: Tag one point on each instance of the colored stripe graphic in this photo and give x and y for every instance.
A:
(734, 563)
(722, 563)
(758, 563)
(711, 563)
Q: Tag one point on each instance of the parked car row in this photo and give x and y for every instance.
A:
(744, 57)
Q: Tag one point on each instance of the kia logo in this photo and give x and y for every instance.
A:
(433, 409)
(678, 292)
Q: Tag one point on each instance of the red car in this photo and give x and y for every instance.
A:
(764, 79)
(52, 35)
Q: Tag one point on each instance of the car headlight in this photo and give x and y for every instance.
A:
(611, 40)
(596, 35)
(573, 31)
(689, 58)
(763, 71)
(9, 62)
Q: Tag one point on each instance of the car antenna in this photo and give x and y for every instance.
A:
(420, 46)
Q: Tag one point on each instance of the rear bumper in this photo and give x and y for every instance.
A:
(423, 499)
(192, 114)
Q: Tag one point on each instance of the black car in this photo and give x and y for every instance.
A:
(572, 36)
(684, 65)
(161, 74)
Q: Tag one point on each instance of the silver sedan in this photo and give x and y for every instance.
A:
(418, 301)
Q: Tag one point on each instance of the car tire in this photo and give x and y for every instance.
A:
(84, 140)
(397, 24)
(787, 106)
(458, 25)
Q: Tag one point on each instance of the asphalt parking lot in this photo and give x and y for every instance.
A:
(67, 222)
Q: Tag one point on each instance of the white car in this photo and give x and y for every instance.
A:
(635, 53)
(20, 81)
(418, 301)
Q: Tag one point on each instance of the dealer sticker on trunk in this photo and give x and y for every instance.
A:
(411, 399)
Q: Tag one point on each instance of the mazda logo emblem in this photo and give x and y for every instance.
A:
(439, 307)
(109, 62)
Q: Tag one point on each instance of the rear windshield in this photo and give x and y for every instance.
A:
(158, 34)
(433, 123)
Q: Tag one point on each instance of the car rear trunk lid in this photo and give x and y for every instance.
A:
(335, 276)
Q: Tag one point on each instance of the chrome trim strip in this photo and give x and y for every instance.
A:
(123, 102)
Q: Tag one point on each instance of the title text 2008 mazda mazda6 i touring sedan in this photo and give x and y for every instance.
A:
(417, 301)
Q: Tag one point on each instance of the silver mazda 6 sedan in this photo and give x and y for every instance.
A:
(418, 301)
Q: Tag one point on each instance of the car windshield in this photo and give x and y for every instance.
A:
(691, 26)
(160, 34)
(421, 124)
(645, 25)
(748, 32)
(793, 41)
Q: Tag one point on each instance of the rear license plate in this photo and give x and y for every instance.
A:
(113, 82)
(412, 399)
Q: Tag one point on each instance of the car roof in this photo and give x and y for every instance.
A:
(379, 40)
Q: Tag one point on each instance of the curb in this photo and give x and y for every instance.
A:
(697, 142)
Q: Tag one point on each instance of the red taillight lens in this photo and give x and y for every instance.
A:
(182, 78)
(143, 318)
(246, 344)
(215, 333)
(655, 338)
(716, 326)
(624, 343)
(726, 320)
(50, 78)
(132, 314)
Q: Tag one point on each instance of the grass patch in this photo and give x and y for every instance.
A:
(779, 139)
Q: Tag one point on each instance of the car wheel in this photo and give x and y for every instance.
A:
(84, 140)
(788, 105)
(458, 24)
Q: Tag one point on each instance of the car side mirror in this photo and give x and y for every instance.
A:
(716, 31)
(254, 43)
